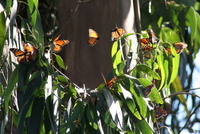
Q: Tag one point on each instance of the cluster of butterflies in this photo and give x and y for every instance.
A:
(146, 47)
(158, 112)
(30, 52)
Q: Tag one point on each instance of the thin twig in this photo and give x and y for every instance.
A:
(66, 77)
(190, 117)
(183, 92)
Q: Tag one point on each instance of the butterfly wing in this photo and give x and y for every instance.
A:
(159, 112)
(116, 33)
(152, 37)
(144, 43)
(29, 48)
(110, 84)
(31, 51)
(58, 44)
(147, 90)
(21, 55)
(93, 37)
(17, 52)
(179, 47)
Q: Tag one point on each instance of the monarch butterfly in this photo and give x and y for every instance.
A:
(159, 112)
(28, 55)
(109, 84)
(144, 43)
(179, 47)
(147, 90)
(58, 44)
(169, 51)
(116, 33)
(152, 37)
(93, 37)
(147, 52)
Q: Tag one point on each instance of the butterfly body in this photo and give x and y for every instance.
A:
(93, 37)
(116, 33)
(58, 44)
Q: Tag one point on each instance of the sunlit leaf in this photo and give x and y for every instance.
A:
(60, 61)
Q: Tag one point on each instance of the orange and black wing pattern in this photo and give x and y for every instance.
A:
(147, 52)
(152, 37)
(144, 43)
(179, 47)
(109, 84)
(159, 112)
(169, 51)
(116, 33)
(93, 37)
(28, 55)
(58, 44)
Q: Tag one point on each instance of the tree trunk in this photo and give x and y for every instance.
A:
(86, 63)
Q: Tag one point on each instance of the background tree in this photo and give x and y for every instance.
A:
(36, 97)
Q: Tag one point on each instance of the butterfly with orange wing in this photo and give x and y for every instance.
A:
(29, 53)
(159, 112)
(110, 83)
(179, 47)
(144, 43)
(147, 52)
(152, 37)
(116, 33)
(147, 90)
(93, 37)
(58, 44)
(169, 51)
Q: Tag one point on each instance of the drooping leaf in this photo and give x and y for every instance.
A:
(60, 61)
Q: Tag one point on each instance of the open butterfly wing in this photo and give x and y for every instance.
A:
(144, 43)
(17, 52)
(179, 47)
(58, 44)
(116, 33)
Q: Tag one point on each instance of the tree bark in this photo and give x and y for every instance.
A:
(86, 63)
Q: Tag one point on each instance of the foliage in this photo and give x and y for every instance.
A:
(38, 98)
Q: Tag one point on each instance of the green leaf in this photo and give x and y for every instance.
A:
(114, 48)
(77, 110)
(29, 95)
(60, 61)
(175, 66)
(162, 70)
(138, 99)
(92, 115)
(191, 21)
(36, 114)
(3, 30)
(129, 103)
(115, 109)
(146, 69)
(178, 87)
(11, 84)
(154, 95)
(62, 79)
